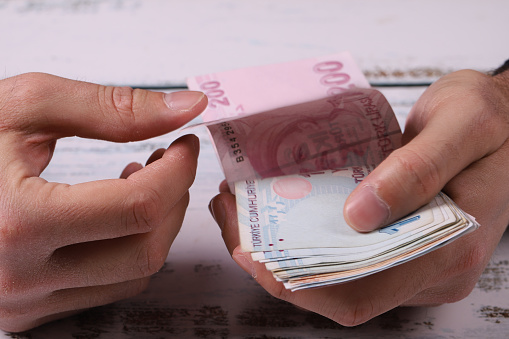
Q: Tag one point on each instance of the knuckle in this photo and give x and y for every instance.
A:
(143, 262)
(459, 293)
(142, 212)
(120, 101)
(280, 292)
(489, 120)
(150, 259)
(422, 172)
(471, 261)
(13, 320)
(351, 314)
(23, 95)
(478, 94)
(29, 86)
(135, 287)
(30, 89)
(465, 271)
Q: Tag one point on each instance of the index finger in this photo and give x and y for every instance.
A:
(112, 208)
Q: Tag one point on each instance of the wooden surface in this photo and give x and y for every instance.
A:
(200, 292)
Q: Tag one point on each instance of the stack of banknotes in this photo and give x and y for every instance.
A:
(294, 139)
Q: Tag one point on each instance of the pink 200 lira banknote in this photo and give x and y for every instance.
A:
(256, 89)
(297, 117)
(295, 139)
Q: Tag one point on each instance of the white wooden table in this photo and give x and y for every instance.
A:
(200, 292)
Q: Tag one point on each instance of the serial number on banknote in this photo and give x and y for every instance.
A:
(228, 134)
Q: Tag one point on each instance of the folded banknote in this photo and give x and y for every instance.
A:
(294, 224)
(294, 139)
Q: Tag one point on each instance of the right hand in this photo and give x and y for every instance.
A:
(457, 136)
(65, 248)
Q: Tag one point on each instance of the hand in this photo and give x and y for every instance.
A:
(456, 139)
(66, 248)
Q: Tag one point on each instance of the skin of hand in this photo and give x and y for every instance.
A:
(456, 139)
(66, 248)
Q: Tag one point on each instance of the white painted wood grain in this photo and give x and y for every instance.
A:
(158, 42)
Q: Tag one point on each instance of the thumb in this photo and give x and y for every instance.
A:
(61, 107)
(450, 123)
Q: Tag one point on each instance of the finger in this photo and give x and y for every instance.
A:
(413, 174)
(115, 260)
(134, 166)
(63, 303)
(156, 155)
(130, 169)
(63, 107)
(223, 187)
(223, 210)
(109, 208)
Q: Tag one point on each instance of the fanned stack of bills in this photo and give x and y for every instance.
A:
(294, 140)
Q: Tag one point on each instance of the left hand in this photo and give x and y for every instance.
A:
(65, 248)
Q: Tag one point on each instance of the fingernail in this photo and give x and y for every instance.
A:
(365, 211)
(195, 142)
(217, 210)
(244, 260)
(183, 100)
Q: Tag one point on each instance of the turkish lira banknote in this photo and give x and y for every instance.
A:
(296, 117)
(353, 128)
(294, 139)
(294, 224)
(258, 89)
